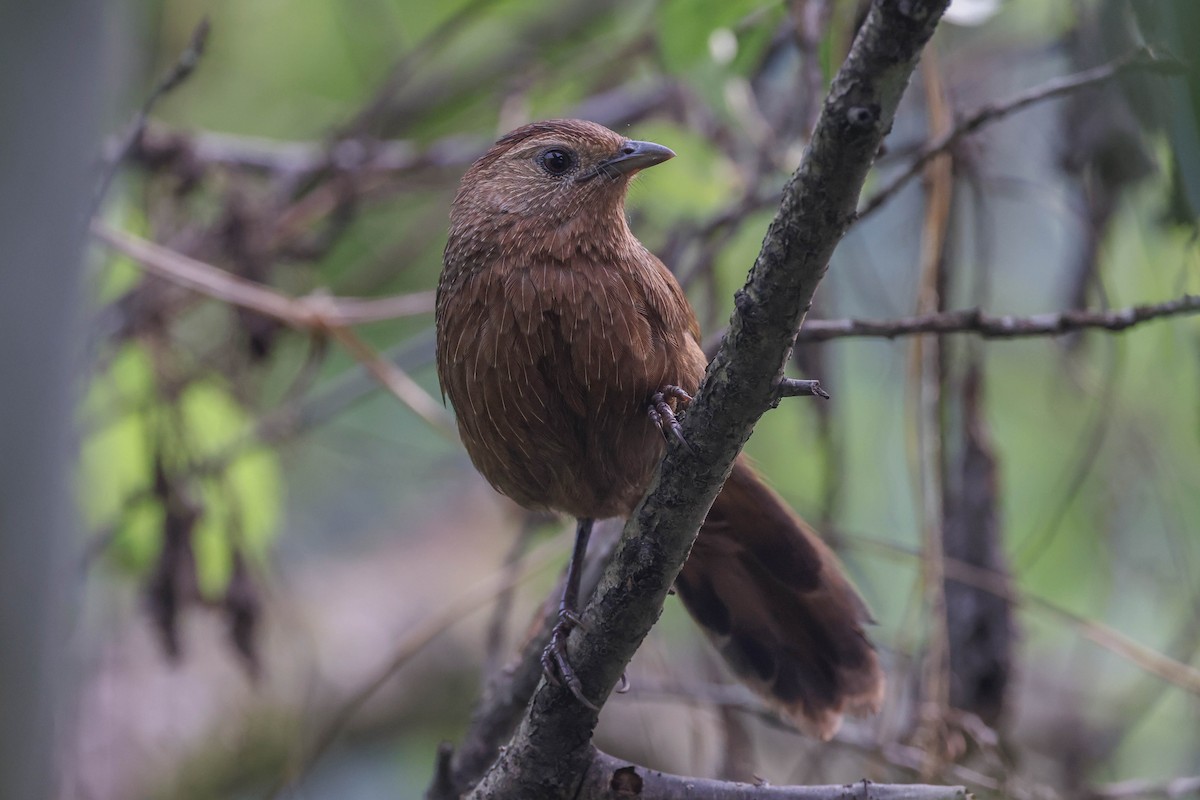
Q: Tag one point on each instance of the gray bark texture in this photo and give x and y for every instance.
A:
(610, 777)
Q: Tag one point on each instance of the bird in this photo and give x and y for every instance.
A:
(567, 351)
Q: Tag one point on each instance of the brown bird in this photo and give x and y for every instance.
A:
(565, 346)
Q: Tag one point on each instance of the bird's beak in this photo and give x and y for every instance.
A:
(634, 156)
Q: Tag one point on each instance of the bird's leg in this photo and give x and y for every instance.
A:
(663, 416)
(554, 657)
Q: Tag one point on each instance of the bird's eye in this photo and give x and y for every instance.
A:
(557, 161)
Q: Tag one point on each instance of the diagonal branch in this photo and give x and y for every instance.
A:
(1143, 58)
(318, 313)
(183, 68)
(312, 313)
(551, 749)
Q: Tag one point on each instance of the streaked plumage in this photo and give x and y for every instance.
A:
(555, 326)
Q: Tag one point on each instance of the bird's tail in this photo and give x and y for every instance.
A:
(775, 602)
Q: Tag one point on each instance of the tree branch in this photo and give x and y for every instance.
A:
(318, 313)
(795, 387)
(508, 692)
(160, 144)
(551, 749)
(998, 326)
(314, 312)
(608, 777)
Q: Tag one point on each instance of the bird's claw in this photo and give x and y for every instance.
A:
(556, 666)
(663, 416)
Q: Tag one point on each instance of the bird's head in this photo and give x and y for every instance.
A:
(551, 174)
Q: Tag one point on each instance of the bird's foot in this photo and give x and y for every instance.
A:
(663, 415)
(555, 664)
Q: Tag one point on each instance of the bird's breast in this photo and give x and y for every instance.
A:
(550, 368)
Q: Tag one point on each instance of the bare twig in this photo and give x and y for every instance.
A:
(443, 776)
(927, 404)
(498, 624)
(1141, 59)
(613, 777)
(508, 692)
(396, 381)
(998, 326)
(1185, 676)
(409, 63)
(810, 20)
(159, 144)
(320, 313)
(179, 72)
(794, 387)
(317, 312)
(1083, 459)
(756, 199)
(414, 642)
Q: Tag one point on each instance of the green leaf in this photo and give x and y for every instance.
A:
(239, 504)
(685, 27)
(115, 459)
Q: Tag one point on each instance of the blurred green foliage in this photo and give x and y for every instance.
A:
(239, 500)
(1098, 442)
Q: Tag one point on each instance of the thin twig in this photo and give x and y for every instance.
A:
(998, 326)
(733, 214)
(609, 777)
(1185, 676)
(414, 642)
(501, 610)
(1141, 59)
(317, 312)
(184, 66)
(411, 62)
(507, 693)
(396, 381)
(202, 149)
(1083, 460)
(927, 402)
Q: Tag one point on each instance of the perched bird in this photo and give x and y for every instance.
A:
(565, 347)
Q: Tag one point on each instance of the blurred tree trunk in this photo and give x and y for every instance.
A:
(50, 95)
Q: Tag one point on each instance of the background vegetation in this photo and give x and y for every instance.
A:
(276, 508)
